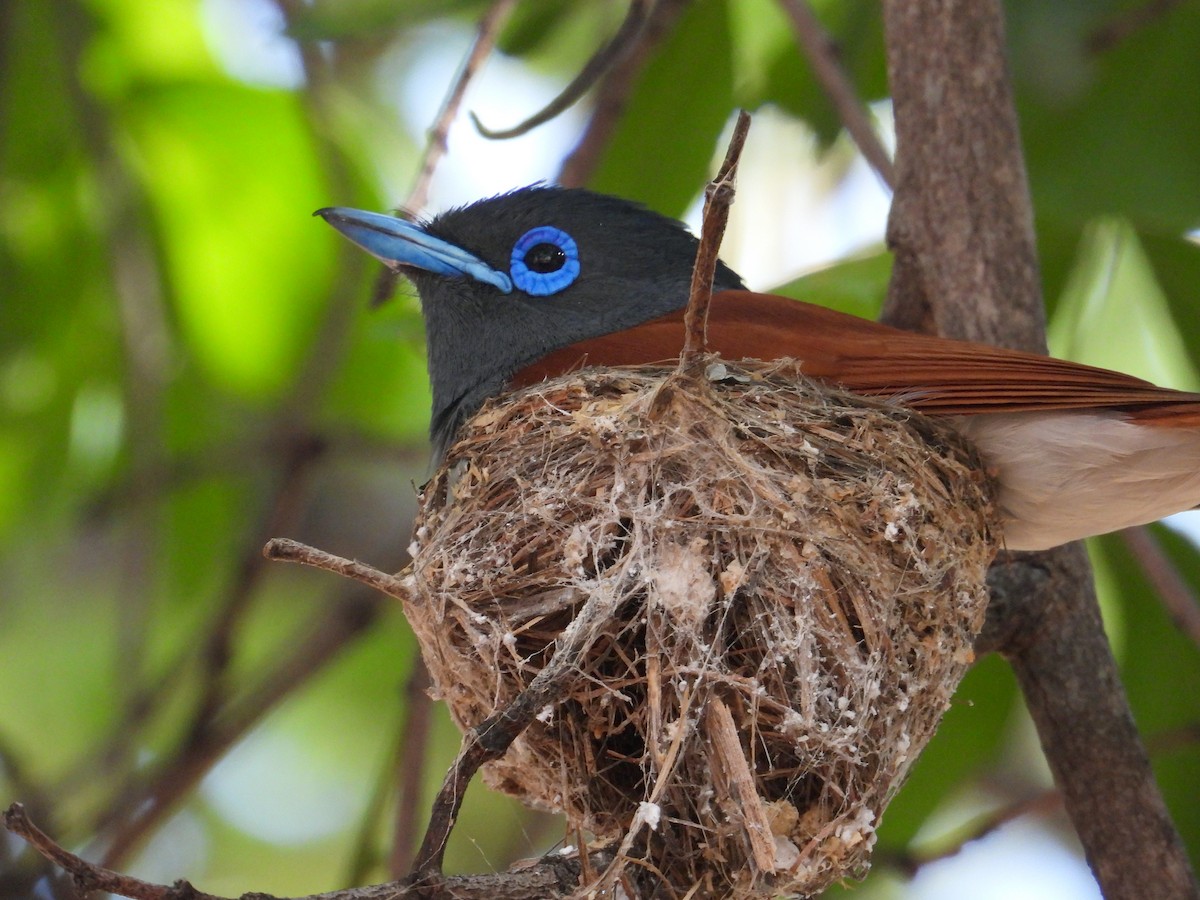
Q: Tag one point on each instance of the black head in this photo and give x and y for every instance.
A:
(506, 280)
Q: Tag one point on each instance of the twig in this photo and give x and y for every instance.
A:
(286, 550)
(89, 877)
(437, 138)
(1039, 804)
(485, 742)
(553, 876)
(327, 635)
(718, 197)
(437, 145)
(600, 62)
(614, 93)
(411, 752)
(1176, 596)
(822, 54)
(1185, 737)
(491, 738)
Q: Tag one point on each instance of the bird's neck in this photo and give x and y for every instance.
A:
(477, 340)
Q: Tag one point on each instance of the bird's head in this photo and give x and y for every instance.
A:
(507, 280)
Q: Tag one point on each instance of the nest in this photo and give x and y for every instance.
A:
(769, 591)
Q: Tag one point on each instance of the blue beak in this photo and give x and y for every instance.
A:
(397, 244)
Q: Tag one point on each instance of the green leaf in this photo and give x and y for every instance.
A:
(1112, 131)
(856, 286)
(234, 179)
(964, 746)
(1113, 313)
(1176, 263)
(856, 29)
(663, 147)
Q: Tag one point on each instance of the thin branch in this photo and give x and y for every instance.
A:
(437, 141)
(327, 636)
(286, 550)
(485, 39)
(1176, 596)
(718, 197)
(1042, 804)
(487, 741)
(412, 750)
(553, 876)
(822, 54)
(89, 877)
(1185, 737)
(491, 738)
(614, 93)
(617, 48)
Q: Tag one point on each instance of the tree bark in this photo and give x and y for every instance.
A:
(961, 228)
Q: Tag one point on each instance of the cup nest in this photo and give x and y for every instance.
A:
(768, 591)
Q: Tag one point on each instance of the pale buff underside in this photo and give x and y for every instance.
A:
(1070, 475)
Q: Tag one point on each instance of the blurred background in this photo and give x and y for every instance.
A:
(190, 365)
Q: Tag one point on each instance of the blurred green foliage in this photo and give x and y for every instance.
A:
(188, 366)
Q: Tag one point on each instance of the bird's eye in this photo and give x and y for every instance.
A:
(545, 260)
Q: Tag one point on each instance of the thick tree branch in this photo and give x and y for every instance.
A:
(961, 224)
(965, 266)
(1055, 642)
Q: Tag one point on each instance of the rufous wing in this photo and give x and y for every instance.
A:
(931, 374)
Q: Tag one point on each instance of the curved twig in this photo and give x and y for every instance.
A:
(593, 70)
(485, 39)
(614, 93)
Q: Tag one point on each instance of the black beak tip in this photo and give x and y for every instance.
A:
(324, 212)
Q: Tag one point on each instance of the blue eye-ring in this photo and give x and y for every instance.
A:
(545, 260)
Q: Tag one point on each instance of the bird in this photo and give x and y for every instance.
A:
(544, 280)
